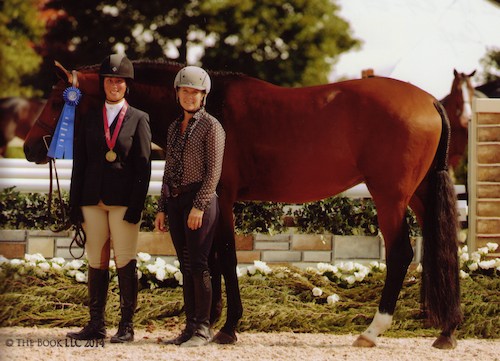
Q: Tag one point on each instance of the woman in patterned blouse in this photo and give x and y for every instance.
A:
(195, 148)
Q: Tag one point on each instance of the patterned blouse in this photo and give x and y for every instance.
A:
(193, 157)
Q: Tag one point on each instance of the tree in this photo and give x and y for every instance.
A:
(285, 42)
(491, 65)
(21, 28)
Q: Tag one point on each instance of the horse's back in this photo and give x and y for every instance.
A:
(325, 139)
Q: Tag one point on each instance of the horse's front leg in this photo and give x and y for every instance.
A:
(399, 255)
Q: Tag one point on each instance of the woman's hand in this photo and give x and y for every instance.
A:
(195, 219)
(160, 222)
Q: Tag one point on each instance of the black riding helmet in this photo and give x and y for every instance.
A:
(118, 66)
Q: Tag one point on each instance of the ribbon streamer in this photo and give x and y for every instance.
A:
(61, 145)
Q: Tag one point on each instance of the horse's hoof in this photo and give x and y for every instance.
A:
(445, 342)
(362, 341)
(223, 338)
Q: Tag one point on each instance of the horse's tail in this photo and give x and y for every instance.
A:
(440, 281)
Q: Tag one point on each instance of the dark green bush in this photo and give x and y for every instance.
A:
(336, 215)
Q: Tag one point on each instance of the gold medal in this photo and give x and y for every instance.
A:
(110, 156)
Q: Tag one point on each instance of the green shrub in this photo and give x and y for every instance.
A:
(336, 215)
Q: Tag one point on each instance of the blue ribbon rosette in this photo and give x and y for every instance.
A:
(61, 145)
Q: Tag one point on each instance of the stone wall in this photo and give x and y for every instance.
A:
(286, 248)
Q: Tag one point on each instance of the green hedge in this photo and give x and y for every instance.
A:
(336, 215)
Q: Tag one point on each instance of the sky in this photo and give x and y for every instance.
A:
(419, 41)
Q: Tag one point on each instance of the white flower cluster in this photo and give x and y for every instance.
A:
(348, 272)
(153, 272)
(259, 269)
(331, 300)
(157, 271)
(37, 265)
(477, 262)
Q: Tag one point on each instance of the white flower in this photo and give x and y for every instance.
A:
(464, 257)
(350, 279)
(325, 267)
(80, 277)
(238, 272)
(177, 263)
(139, 274)
(16, 262)
(74, 264)
(492, 247)
(475, 256)
(473, 266)
(3, 259)
(44, 266)
(347, 267)
(143, 257)
(359, 276)
(37, 257)
(152, 268)
(463, 274)
(56, 266)
(171, 269)
(262, 267)
(332, 299)
(160, 274)
(462, 236)
(465, 249)
(317, 292)
(179, 277)
(483, 251)
(72, 273)
(251, 270)
(487, 264)
(58, 260)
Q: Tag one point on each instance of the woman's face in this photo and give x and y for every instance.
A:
(115, 89)
(190, 99)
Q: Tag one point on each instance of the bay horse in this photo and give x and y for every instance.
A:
(17, 116)
(458, 105)
(297, 145)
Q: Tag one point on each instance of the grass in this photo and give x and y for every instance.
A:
(281, 301)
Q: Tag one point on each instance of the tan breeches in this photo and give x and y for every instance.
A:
(105, 229)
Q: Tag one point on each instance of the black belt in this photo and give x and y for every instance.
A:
(175, 191)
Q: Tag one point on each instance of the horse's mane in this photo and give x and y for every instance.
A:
(146, 66)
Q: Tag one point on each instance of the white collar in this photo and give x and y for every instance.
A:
(115, 106)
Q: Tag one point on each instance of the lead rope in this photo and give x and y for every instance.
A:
(79, 236)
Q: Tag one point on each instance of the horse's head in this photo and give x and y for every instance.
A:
(464, 93)
(459, 110)
(38, 139)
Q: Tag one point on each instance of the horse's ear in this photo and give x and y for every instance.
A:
(62, 73)
(455, 72)
(472, 74)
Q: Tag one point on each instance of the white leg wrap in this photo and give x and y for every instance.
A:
(381, 322)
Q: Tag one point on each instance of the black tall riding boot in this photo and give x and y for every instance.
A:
(203, 302)
(188, 293)
(98, 281)
(127, 281)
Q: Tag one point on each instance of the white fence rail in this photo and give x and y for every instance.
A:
(29, 177)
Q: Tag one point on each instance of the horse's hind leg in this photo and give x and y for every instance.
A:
(399, 254)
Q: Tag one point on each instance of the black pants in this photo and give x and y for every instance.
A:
(192, 246)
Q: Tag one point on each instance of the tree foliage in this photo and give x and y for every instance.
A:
(491, 65)
(21, 29)
(286, 42)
